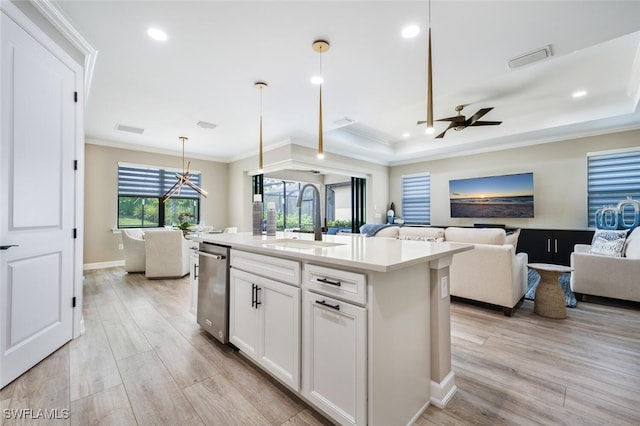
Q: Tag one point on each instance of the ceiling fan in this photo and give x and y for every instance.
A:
(460, 122)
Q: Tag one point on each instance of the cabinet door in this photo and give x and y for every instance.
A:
(564, 242)
(243, 313)
(538, 245)
(279, 332)
(334, 357)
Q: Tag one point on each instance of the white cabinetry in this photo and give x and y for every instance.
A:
(264, 319)
(334, 345)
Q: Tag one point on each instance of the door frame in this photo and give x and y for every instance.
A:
(77, 46)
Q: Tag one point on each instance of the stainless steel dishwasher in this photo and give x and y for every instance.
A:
(213, 290)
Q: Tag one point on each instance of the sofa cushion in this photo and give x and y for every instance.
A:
(608, 242)
(391, 231)
(420, 233)
(494, 236)
(632, 245)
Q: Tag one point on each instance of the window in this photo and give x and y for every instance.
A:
(285, 196)
(416, 198)
(140, 190)
(338, 205)
(611, 178)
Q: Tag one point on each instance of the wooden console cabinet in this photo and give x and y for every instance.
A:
(551, 245)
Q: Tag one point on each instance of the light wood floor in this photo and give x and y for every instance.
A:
(143, 360)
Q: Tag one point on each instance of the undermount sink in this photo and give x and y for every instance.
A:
(298, 244)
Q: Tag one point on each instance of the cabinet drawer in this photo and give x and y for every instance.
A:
(345, 285)
(284, 270)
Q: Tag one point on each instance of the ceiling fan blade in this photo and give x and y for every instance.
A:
(420, 122)
(486, 123)
(478, 115)
(441, 135)
(454, 118)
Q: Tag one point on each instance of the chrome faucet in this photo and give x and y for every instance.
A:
(317, 227)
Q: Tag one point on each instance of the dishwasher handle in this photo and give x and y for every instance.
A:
(214, 256)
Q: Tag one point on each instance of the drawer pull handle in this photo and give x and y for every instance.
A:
(326, 281)
(324, 303)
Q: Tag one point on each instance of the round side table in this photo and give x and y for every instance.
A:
(549, 299)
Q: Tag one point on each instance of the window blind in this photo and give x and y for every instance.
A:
(612, 178)
(152, 182)
(416, 198)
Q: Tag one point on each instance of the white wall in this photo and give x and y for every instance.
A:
(559, 172)
(101, 195)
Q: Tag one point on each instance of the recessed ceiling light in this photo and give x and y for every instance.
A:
(157, 34)
(406, 134)
(579, 93)
(317, 79)
(410, 31)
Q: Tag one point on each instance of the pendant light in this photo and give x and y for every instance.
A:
(320, 46)
(429, 82)
(260, 85)
(183, 179)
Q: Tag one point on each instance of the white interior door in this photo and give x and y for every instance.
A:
(36, 202)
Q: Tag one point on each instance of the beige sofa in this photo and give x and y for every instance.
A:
(606, 276)
(491, 273)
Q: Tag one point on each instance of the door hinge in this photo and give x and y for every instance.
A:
(73, 302)
(75, 232)
(75, 97)
(75, 164)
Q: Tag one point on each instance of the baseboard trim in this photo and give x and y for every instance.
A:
(102, 265)
(441, 393)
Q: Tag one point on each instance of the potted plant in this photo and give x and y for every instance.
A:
(184, 226)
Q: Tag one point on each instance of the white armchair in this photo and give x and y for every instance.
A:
(133, 246)
(167, 254)
(606, 276)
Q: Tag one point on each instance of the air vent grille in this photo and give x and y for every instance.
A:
(530, 57)
(344, 122)
(130, 129)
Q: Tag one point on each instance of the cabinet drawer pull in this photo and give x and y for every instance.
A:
(324, 303)
(253, 295)
(258, 302)
(326, 281)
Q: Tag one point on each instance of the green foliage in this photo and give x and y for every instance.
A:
(339, 224)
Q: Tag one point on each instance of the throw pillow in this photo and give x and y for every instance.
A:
(512, 237)
(608, 242)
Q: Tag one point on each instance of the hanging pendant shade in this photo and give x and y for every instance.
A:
(183, 179)
(320, 46)
(260, 85)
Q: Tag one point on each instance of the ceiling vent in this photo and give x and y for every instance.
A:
(206, 125)
(531, 57)
(344, 122)
(130, 129)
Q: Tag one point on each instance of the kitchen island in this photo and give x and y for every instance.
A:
(358, 327)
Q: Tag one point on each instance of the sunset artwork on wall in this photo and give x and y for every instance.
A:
(492, 196)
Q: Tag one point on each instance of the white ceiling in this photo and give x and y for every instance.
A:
(217, 50)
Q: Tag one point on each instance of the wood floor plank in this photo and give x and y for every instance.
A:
(107, 408)
(93, 367)
(185, 363)
(307, 417)
(154, 396)
(123, 333)
(218, 402)
(43, 387)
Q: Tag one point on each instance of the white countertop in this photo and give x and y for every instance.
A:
(355, 250)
